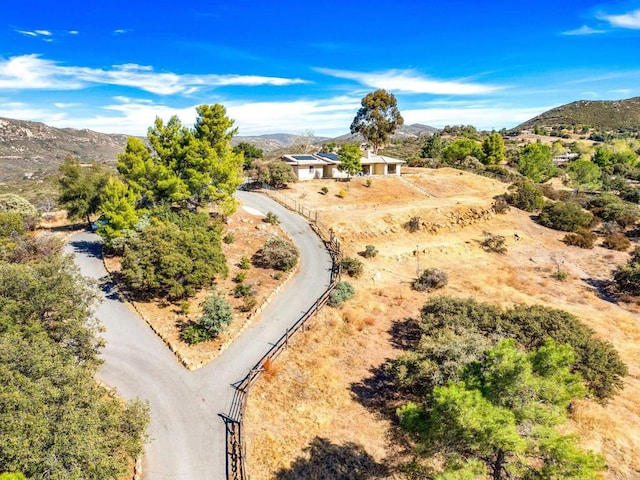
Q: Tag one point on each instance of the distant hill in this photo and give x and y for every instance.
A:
(35, 150)
(606, 115)
(406, 131)
(275, 141)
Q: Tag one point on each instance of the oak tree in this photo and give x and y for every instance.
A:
(377, 118)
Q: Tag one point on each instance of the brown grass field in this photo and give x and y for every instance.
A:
(324, 409)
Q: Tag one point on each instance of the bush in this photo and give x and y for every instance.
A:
(342, 193)
(229, 238)
(216, 317)
(565, 216)
(627, 277)
(500, 205)
(248, 303)
(616, 241)
(531, 325)
(277, 253)
(582, 238)
(352, 267)
(430, 279)
(342, 292)
(173, 257)
(369, 182)
(370, 251)
(525, 195)
(271, 218)
(240, 277)
(610, 208)
(413, 225)
(245, 263)
(494, 243)
(324, 190)
(242, 290)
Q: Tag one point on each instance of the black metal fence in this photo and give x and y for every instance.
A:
(233, 418)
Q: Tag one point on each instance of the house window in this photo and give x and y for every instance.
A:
(311, 169)
(392, 169)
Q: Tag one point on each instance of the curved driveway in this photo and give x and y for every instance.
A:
(187, 438)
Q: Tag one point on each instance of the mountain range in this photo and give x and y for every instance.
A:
(35, 150)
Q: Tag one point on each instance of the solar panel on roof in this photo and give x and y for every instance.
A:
(304, 157)
(330, 156)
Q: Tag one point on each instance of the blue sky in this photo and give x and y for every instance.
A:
(295, 67)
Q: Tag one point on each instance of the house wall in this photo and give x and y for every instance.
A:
(304, 172)
(379, 169)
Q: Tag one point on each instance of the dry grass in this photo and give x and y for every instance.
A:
(325, 389)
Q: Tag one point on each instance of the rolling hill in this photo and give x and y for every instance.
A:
(35, 150)
(603, 115)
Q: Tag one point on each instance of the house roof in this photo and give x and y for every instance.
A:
(332, 159)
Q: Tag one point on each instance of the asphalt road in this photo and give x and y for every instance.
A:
(187, 437)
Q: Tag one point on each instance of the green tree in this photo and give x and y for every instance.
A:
(81, 189)
(565, 216)
(119, 212)
(493, 151)
(377, 118)
(250, 153)
(502, 416)
(525, 195)
(534, 162)
(276, 173)
(174, 256)
(460, 149)
(350, 157)
(584, 175)
(56, 422)
(217, 315)
(433, 147)
(187, 166)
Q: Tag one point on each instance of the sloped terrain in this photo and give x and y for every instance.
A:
(604, 115)
(326, 400)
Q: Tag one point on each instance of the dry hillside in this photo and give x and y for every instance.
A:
(325, 405)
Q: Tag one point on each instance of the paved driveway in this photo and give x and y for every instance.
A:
(187, 436)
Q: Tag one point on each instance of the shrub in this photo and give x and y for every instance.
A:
(216, 317)
(494, 243)
(611, 208)
(627, 277)
(277, 253)
(185, 306)
(352, 266)
(245, 263)
(10, 202)
(370, 251)
(413, 225)
(500, 205)
(242, 290)
(342, 193)
(565, 216)
(531, 325)
(229, 238)
(369, 182)
(582, 238)
(240, 277)
(616, 241)
(324, 190)
(560, 275)
(342, 292)
(525, 195)
(430, 279)
(248, 303)
(271, 218)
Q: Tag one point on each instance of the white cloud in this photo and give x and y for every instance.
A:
(33, 72)
(46, 33)
(583, 30)
(73, 32)
(410, 81)
(121, 31)
(625, 20)
(327, 117)
(27, 33)
(482, 117)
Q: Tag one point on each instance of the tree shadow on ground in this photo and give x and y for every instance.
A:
(327, 460)
(405, 333)
(109, 289)
(604, 289)
(92, 249)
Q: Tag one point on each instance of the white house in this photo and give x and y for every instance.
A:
(325, 165)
